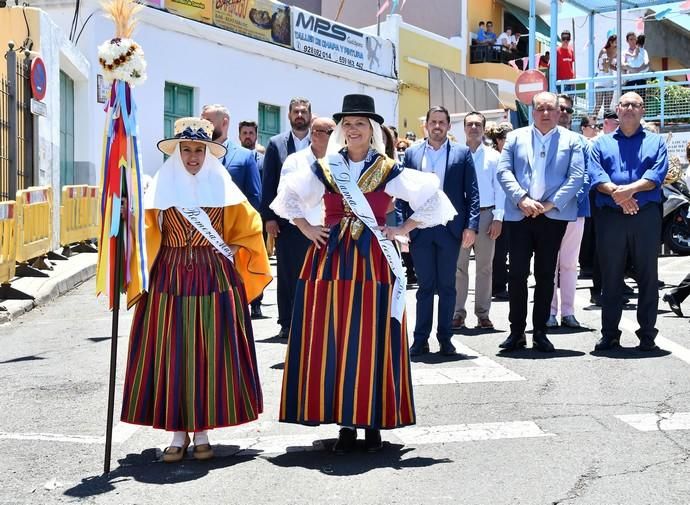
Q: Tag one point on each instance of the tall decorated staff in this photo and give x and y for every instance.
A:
(122, 252)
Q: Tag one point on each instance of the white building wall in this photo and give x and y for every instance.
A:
(222, 67)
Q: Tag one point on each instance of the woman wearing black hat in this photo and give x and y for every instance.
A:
(347, 359)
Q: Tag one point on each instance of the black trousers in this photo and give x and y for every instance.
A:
(541, 237)
(291, 249)
(499, 276)
(619, 236)
(682, 291)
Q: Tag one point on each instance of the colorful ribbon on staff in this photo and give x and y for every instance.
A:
(122, 213)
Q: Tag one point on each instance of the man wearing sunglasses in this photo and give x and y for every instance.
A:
(565, 282)
(565, 62)
(628, 169)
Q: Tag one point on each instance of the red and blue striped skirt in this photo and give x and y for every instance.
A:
(191, 364)
(347, 359)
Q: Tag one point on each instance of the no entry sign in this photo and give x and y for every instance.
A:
(528, 84)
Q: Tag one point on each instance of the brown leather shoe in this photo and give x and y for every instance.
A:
(485, 323)
(202, 451)
(174, 454)
(458, 323)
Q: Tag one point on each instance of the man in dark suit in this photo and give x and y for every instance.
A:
(240, 163)
(541, 170)
(291, 244)
(435, 250)
(248, 134)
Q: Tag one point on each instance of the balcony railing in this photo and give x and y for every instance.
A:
(666, 94)
(480, 53)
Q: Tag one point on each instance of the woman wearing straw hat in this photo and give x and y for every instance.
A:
(191, 364)
(347, 359)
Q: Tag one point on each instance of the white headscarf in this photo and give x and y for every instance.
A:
(337, 140)
(173, 186)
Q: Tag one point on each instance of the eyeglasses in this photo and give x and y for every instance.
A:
(565, 38)
(569, 110)
(326, 132)
(626, 105)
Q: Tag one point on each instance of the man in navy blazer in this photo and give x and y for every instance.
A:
(435, 250)
(238, 161)
(541, 170)
(291, 244)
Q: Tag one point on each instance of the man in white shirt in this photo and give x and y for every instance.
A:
(507, 40)
(491, 202)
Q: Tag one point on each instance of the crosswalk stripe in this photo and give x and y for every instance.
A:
(663, 421)
(417, 435)
(479, 369)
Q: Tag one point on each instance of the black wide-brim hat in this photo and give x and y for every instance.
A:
(358, 105)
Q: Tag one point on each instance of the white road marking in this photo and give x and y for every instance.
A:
(663, 421)
(121, 432)
(478, 369)
(628, 324)
(415, 435)
(52, 437)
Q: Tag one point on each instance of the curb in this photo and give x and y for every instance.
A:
(64, 278)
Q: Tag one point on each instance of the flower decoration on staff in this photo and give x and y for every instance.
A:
(121, 58)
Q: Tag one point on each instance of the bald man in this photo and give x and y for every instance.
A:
(628, 168)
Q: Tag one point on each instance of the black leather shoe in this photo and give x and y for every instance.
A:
(501, 295)
(541, 343)
(256, 312)
(647, 345)
(673, 304)
(595, 299)
(347, 441)
(372, 440)
(419, 347)
(606, 344)
(283, 333)
(513, 342)
(447, 348)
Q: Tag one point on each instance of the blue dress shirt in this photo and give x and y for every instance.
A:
(623, 160)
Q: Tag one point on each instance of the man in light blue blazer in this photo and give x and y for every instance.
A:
(541, 170)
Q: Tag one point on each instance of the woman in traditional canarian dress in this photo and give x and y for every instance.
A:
(347, 358)
(192, 365)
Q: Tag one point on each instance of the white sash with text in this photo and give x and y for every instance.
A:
(354, 197)
(200, 220)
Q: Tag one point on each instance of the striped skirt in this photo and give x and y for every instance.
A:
(347, 359)
(191, 364)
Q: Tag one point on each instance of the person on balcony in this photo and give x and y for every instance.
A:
(635, 61)
(565, 62)
(607, 65)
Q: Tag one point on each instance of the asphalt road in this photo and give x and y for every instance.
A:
(527, 428)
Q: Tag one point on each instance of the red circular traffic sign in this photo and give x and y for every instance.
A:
(39, 79)
(528, 84)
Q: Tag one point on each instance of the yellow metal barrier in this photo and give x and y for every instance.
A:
(8, 244)
(34, 222)
(78, 214)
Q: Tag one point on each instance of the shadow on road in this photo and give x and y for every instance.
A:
(630, 353)
(355, 463)
(436, 357)
(147, 468)
(533, 354)
(32, 357)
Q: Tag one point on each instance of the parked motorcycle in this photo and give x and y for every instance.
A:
(676, 220)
